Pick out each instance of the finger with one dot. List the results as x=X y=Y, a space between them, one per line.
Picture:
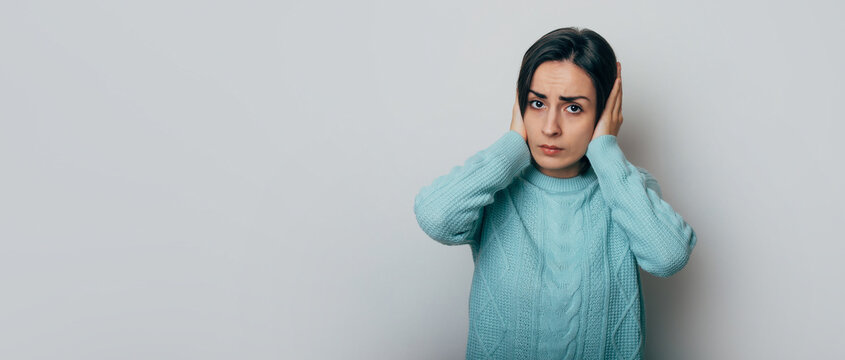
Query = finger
x=611 y=100
x=619 y=75
x=619 y=98
x=617 y=108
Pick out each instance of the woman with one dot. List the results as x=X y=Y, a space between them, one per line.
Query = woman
x=557 y=219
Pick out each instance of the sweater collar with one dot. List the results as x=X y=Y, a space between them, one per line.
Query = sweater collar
x=553 y=184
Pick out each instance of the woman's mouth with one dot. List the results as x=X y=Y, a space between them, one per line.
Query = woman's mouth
x=550 y=150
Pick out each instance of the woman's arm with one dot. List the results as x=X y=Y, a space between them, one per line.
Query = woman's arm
x=659 y=237
x=450 y=209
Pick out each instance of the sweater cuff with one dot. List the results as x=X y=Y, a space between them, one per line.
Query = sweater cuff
x=512 y=149
x=606 y=156
x=612 y=168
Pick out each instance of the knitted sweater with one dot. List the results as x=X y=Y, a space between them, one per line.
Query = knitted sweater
x=555 y=259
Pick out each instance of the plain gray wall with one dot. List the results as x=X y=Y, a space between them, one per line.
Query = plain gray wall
x=193 y=179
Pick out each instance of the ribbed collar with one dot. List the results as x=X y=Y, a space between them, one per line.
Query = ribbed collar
x=553 y=184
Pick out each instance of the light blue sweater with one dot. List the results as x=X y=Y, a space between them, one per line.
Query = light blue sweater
x=555 y=259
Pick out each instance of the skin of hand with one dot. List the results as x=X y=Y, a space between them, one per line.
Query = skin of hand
x=516 y=120
x=611 y=118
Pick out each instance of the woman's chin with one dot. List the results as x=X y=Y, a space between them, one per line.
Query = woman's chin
x=556 y=166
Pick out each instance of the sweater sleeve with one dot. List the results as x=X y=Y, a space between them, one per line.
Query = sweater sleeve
x=450 y=209
x=659 y=237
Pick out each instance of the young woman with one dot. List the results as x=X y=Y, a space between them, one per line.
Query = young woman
x=557 y=219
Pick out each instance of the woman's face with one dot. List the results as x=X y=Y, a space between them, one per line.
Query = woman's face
x=566 y=123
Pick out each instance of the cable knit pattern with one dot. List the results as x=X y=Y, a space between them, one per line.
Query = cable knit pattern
x=555 y=259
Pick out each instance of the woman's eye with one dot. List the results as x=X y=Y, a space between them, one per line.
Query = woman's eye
x=536 y=104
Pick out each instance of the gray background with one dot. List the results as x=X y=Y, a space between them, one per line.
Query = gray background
x=203 y=179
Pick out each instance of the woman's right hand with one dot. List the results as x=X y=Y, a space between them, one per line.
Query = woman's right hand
x=516 y=120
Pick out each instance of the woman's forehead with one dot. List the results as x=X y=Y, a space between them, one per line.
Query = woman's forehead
x=561 y=78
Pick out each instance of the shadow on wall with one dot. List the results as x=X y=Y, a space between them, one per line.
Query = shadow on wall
x=667 y=303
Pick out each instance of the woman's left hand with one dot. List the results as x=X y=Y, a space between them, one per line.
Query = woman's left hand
x=611 y=117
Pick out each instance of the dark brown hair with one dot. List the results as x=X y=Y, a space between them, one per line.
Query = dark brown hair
x=583 y=47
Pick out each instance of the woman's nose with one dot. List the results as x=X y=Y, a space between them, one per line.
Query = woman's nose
x=551 y=127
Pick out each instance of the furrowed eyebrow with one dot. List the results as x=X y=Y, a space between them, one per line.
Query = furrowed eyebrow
x=564 y=98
